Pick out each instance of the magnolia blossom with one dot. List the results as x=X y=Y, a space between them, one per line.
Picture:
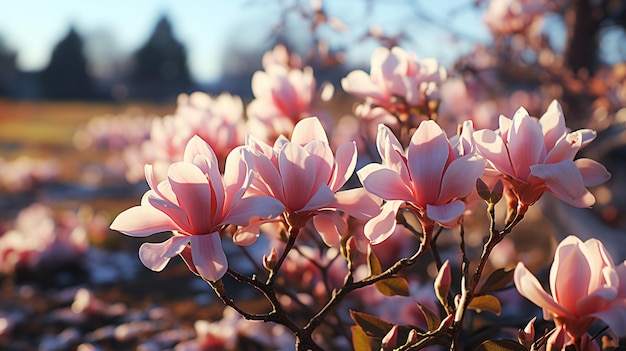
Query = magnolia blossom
x=534 y=156
x=394 y=75
x=283 y=96
x=196 y=203
x=306 y=177
x=427 y=179
x=586 y=285
x=217 y=120
x=504 y=17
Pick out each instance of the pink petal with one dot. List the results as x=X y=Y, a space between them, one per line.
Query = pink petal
x=237 y=177
x=359 y=84
x=593 y=173
x=248 y=234
x=427 y=156
x=492 y=148
x=598 y=300
x=460 y=178
x=345 y=163
x=171 y=210
x=529 y=287
x=552 y=124
x=563 y=179
x=266 y=176
x=330 y=227
x=308 y=130
x=447 y=215
x=297 y=170
x=391 y=152
x=197 y=146
x=261 y=84
x=570 y=273
x=156 y=255
x=358 y=203
x=525 y=143
x=379 y=228
x=504 y=124
x=322 y=198
x=565 y=149
x=142 y=221
x=208 y=256
x=255 y=206
x=195 y=196
x=388 y=185
x=324 y=160
x=614 y=317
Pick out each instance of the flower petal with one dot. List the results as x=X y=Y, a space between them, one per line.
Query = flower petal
x=142 y=221
x=427 y=157
x=529 y=287
x=593 y=172
x=525 y=143
x=208 y=256
x=322 y=198
x=307 y=130
x=297 y=170
x=330 y=227
x=345 y=163
x=563 y=179
x=460 y=178
x=379 y=228
x=388 y=185
x=570 y=273
x=491 y=146
x=447 y=215
x=156 y=255
x=552 y=124
x=360 y=84
x=260 y=206
x=358 y=203
x=195 y=196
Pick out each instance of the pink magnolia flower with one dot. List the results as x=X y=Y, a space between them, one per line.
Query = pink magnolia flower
x=282 y=97
x=504 y=17
x=427 y=179
x=394 y=75
x=216 y=120
x=306 y=177
x=196 y=203
x=534 y=156
x=586 y=285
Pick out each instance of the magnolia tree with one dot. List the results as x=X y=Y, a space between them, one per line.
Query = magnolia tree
x=333 y=230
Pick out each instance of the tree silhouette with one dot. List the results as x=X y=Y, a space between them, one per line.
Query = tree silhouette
x=160 y=65
x=66 y=76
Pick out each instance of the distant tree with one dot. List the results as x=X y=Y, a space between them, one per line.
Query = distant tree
x=160 y=65
x=8 y=70
x=66 y=76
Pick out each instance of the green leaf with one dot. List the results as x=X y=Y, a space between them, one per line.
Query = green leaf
x=497 y=280
x=360 y=340
x=500 y=345
x=372 y=326
x=372 y=262
x=432 y=319
x=393 y=286
x=488 y=303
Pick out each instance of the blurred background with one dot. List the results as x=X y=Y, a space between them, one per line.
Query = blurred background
x=81 y=84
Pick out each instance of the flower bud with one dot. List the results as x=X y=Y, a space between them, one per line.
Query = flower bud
x=483 y=190
x=269 y=262
x=442 y=283
x=390 y=340
x=527 y=335
x=496 y=192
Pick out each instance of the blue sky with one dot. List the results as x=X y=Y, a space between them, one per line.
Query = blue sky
x=33 y=27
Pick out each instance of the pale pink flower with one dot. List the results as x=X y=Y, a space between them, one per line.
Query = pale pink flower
x=279 y=55
x=196 y=203
x=396 y=77
x=534 y=156
x=282 y=97
x=217 y=120
x=505 y=17
x=306 y=177
x=586 y=285
x=427 y=179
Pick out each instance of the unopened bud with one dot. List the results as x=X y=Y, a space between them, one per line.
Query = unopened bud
x=442 y=283
x=446 y=323
x=269 y=262
x=390 y=340
x=527 y=336
x=413 y=337
x=483 y=190
x=496 y=192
